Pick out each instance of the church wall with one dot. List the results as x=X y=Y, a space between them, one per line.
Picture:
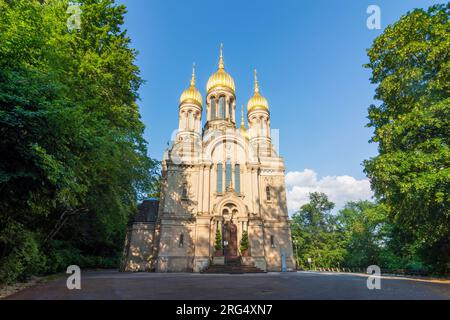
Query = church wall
x=275 y=216
x=139 y=247
x=179 y=177
x=172 y=197
x=190 y=204
x=256 y=243
x=277 y=239
x=174 y=254
x=202 y=244
x=208 y=188
x=276 y=207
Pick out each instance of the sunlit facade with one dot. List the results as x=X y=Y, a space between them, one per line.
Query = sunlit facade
x=217 y=176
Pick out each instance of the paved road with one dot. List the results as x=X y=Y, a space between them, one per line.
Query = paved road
x=294 y=285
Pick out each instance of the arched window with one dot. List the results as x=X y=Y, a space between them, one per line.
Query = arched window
x=272 y=241
x=184 y=192
x=268 y=193
x=230 y=110
x=237 y=178
x=261 y=122
x=213 y=108
x=190 y=121
x=228 y=174
x=222 y=107
x=219 y=178
x=181 y=240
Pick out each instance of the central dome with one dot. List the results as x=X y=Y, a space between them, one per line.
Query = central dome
x=221 y=78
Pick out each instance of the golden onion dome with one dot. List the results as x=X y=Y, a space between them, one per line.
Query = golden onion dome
x=221 y=78
x=257 y=101
x=191 y=94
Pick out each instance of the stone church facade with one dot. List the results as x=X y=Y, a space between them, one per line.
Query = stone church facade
x=215 y=177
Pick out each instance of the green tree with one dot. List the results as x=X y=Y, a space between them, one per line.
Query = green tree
x=218 y=241
x=73 y=159
x=244 y=241
x=410 y=65
x=366 y=229
x=315 y=230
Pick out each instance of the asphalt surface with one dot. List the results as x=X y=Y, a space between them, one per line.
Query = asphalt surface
x=187 y=286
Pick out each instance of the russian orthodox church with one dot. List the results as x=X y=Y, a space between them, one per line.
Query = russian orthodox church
x=220 y=184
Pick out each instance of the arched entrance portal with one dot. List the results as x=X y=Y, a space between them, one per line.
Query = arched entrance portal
x=230 y=238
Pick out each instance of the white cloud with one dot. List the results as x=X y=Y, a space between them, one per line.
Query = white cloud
x=339 y=189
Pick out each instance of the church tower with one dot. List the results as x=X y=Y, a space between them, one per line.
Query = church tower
x=218 y=182
x=220 y=98
x=258 y=116
x=190 y=110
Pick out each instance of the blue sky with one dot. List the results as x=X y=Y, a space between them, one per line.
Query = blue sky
x=309 y=56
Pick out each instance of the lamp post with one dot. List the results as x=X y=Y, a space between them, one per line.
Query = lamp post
x=296 y=253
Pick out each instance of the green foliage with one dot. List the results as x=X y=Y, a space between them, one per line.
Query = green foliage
x=314 y=229
x=218 y=241
x=73 y=159
x=372 y=239
x=23 y=257
x=364 y=226
x=62 y=256
x=411 y=175
x=244 y=241
x=359 y=235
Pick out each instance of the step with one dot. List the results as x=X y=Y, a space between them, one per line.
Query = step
x=237 y=268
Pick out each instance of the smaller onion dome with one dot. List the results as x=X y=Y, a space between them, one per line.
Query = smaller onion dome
x=257 y=101
x=191 y=94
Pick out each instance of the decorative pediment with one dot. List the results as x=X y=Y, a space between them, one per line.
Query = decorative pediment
x=231 y=205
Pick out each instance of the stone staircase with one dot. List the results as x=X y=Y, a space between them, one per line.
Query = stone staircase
x=232 y=266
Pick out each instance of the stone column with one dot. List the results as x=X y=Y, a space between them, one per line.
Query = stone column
x=200 y=194
x=227 y=103
x=256 y=243
x=233 y=180
x=234 y=111
x=202 y=240
x=258 y=192
x=252 y=189
x=255 y=190
x=206 y=188
x=197 y=123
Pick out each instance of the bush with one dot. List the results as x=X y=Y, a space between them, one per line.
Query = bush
x=218 y=243
x=244 y=241
x=23 y=258
x=60 y=257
